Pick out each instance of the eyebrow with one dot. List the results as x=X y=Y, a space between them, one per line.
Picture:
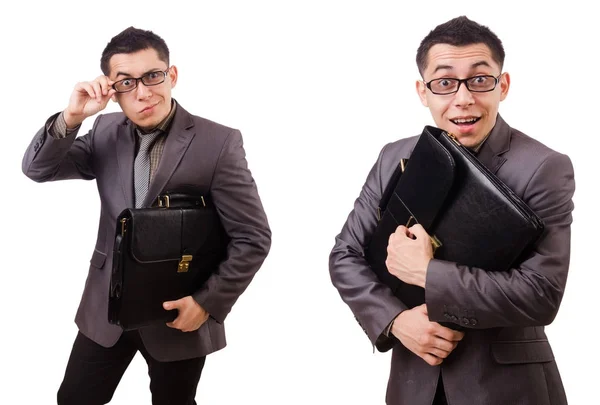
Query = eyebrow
x=129 y=75
x=473 y=66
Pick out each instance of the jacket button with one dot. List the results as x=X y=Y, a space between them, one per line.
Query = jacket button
x=454 y=318
x=36 y=147
x=473 y=321
x=465 y=321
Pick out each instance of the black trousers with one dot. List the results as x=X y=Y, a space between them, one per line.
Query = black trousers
x=93 y=373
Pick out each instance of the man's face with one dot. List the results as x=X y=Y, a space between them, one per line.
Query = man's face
x=470 y=116
x=146 y=106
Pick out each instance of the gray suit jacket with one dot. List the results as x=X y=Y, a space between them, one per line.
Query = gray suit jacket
x=505 y=357
x=198 y=154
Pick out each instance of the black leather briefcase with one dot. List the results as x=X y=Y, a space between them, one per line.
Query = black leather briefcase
x=162 y=254
x=473 y=218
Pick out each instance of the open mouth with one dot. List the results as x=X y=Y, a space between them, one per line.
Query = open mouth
x=465 y=121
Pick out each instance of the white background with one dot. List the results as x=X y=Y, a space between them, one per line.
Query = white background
x=317 y=89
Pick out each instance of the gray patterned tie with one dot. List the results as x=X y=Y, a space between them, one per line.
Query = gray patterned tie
x=141 y=167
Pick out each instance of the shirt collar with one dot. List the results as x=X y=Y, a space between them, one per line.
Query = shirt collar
x=477 y=148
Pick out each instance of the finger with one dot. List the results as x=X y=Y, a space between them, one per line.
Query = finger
x=85 y=87
x=97 y=90
x=408 y=233
x=177 y=323
x=402 y=230
x=103 y=82
x=443 y=345
x=168 y=305
x=418 y=231
x=187 y=325
x=457 y=336
x=391 y=240
x=448 y=334
x=440 y=354
x=109 y=84
x=431 y=360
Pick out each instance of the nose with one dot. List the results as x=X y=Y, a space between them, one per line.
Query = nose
x=143 y=92
x=463 y=97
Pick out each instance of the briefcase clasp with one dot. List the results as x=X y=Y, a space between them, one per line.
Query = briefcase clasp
x=435 y=243
x=164 y=201
x=123 y=226
x=184 y=263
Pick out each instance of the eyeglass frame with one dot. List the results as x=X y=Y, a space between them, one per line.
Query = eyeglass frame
x=465 y=81
x=141 y=78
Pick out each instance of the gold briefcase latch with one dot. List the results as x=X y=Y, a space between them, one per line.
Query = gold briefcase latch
x=435 y=243
x=164 y=201
x=184 y=264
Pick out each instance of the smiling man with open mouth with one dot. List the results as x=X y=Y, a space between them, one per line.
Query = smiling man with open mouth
x=463 y=86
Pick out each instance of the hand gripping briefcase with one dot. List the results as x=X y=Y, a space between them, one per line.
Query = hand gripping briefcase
x=162 y=254
x=473 y=218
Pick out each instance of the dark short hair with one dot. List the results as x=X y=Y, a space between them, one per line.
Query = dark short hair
x=133 y=40
x=460 y=31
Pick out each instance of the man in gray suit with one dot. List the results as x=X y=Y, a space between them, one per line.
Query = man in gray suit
x=158 y=146
x=503 y=357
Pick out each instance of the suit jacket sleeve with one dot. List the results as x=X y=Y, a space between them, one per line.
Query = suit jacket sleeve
x=529 y=294
x=236 y=198
x=371 y=301
x=48 y=158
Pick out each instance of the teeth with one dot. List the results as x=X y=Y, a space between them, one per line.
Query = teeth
x=465 y=120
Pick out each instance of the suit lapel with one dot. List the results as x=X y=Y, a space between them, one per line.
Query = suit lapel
x=178 y=140
x=497 y=144
x=125 y=145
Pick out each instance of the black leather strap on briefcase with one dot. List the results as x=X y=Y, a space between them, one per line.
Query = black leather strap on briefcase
x=161 y=254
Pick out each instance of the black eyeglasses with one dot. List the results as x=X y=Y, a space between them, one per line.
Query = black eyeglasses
x=476 y=84
x=149 y=79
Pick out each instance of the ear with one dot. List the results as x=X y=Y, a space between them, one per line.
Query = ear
x=504 y=85
x=173 y=75
x=422 y=92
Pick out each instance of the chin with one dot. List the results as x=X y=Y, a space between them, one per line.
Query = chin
x=145 y=125
x=150 y=121
x=469 y=141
